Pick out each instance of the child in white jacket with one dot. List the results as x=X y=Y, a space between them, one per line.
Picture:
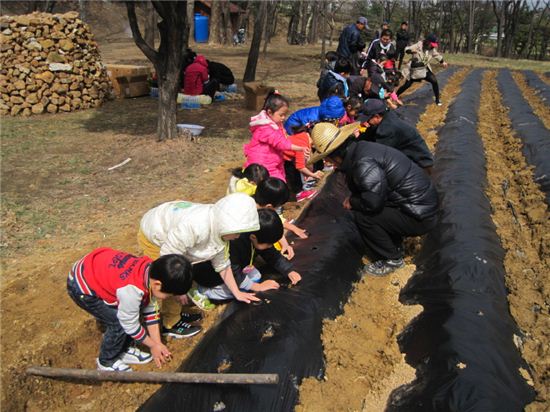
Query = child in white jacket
x=200 y=232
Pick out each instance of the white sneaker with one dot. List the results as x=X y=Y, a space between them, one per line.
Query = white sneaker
x=133 y=356
x=117 y=366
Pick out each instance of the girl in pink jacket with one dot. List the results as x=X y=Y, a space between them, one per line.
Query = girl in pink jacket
x=269 y=140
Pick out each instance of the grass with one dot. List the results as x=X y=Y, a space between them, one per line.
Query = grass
x=475 y=60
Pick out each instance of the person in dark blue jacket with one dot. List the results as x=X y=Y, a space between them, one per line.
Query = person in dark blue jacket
x=391 y=197
x=330 y=109
x=351 y=42
x=334 y=83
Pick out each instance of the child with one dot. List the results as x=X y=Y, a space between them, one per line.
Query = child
x=117 y=288
x=273 y=193
x=330 y=110
x=269 y=140
x=246 y=180
x=296 y=170
x=352 y=105
x=242 y=253
x=200 y=233
x=335 y=81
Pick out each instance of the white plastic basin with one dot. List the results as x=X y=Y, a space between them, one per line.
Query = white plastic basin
x=195 y=129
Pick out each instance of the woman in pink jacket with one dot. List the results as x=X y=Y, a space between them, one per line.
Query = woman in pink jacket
x=269 y=140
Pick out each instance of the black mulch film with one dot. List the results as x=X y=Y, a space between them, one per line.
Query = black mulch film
x=530 y=129
x=282 y=335
x=462 y=344
x=415 y=103
x=541 y=88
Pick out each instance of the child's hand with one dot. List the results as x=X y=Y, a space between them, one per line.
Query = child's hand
x=161 y=354
x=445 y=64
x=307 y=152
x=287 y=252
x=268 y=285
x=294 y=277
x=318 y=174
x=183 y=299
x=246 y=297
x=301 y=233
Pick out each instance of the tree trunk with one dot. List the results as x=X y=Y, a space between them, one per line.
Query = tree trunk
x=191 y=18
x=215 y=22
x=532 y=42
x=323 y=23
x=294 y=23
x=254 y=52
x=150 y=24
x=471 y=11
x=168 y=59
x=227 y=30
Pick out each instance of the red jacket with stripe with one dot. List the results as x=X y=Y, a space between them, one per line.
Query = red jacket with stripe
x=122 y=280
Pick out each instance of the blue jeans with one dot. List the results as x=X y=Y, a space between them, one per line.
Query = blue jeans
x=115 y=340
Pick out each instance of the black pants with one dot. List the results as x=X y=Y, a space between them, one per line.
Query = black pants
x=211 y=87
x=293 y=177
x=400 y=56
x=384 y=232
x=430 y=77
x=115 y=340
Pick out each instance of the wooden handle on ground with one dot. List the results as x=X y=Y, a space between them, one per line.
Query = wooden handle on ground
x=156 y=377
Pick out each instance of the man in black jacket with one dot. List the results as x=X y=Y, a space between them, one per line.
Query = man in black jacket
x=402 y=41
x=391 y=197
x=350 y=42
x=377 y=48
x=385 y=127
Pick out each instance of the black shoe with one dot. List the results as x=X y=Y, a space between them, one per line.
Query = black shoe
x=382 y=267
x=181 y=330
x=190 y=317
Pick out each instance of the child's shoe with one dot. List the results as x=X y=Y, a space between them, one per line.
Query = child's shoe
x=383 y=267
x=116 y=366
x=133 y=356
x=181 y=329
x=190 y=317
x=306 y=194
x=200 y=300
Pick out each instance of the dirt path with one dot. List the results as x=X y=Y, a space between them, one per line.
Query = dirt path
x=520 y=215
x=541 y=109
x=434 y=116
x=363 y=361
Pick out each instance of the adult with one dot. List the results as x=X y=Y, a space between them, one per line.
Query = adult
x=350 y=42
x=365 y=88
x=197 y=80
x=330 y=110
x=384 y=26
x=391 y=197
x=402 y=40
x=220 y=72
x=385 y=127
x=334 y=83
x=378 y=48
x=419 y=68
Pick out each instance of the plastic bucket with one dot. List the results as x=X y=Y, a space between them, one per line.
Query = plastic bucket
x=201 y=28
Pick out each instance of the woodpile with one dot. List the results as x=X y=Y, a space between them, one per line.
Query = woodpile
x=50 y=63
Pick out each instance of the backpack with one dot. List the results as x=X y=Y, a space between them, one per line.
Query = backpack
x=418 y=70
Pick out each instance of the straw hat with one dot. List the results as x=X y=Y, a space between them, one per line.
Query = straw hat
x=328 y=137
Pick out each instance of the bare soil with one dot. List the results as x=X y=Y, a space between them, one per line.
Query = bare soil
x=520 y=215
x=540 y=108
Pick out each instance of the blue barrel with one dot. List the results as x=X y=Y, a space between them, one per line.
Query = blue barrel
x=201 y=28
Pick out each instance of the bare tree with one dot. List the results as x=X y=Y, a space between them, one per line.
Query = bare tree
x=167 y=60
x=150 y=24
x=227 y=29
x=190 y=17
x=254 y=52
x=215 y=22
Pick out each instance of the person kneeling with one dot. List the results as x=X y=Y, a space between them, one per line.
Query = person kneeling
x=242 y=252
x=116 y=288
x=391 y=196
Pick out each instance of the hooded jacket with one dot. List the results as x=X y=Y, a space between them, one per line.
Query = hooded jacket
x=195 y=230
x=350 y=41
x=196 y=74
x=380 y=176
x=394 y=132
x=267 y=145
x=333 y=84
x=331 y=108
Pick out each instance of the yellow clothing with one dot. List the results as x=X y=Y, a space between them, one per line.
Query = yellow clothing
x=243 y=185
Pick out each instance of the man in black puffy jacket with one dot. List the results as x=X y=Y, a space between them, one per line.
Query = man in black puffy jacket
x=391 y=197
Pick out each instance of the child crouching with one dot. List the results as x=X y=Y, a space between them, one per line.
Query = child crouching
x=116 y=288
x=242 y=252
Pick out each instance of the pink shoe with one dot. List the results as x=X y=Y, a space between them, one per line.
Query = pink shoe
x=306 y=194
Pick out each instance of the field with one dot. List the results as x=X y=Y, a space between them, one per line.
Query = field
x=60 y=201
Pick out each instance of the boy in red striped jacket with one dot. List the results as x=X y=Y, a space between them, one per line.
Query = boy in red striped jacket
x=117 y=288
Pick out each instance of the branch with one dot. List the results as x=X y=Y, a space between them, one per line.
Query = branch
x=147 y=50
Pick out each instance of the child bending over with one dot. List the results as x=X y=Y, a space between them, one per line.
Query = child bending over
x=353 y=106
x=297 y=171
x=117 y=288
x=246 y=180
x=242 y=252
x=269 y=140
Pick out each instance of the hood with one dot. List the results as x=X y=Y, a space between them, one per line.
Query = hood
x=200 y=59
x=331 y=108
x=262 y=119
x=235 y=213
